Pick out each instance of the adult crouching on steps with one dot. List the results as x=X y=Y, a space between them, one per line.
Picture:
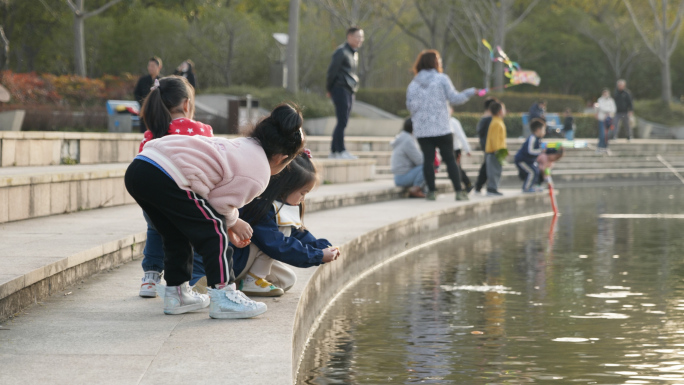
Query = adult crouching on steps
x=426 y=99
x=342 y=82
x=407 y=162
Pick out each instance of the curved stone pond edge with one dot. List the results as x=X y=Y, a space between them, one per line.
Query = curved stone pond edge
x=389 y=243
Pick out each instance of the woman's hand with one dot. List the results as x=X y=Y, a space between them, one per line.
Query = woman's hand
x=240 y=234
x=330 y=254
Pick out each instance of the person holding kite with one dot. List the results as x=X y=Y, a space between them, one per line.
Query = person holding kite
x=427 y=97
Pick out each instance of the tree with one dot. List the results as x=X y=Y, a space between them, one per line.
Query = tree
x=610 y=27
x=79 y=34
x=292 y=47
x=469 y=30
x=661 y=38
x=6 y=49
x=368 y=16
x=500 y=12
x=433 y=15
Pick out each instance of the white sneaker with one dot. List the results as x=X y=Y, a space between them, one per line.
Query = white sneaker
x=258 y=287
x=347 y=155
x=334 y=155
x=148 y=288
x=181 y=299
x=229 y=302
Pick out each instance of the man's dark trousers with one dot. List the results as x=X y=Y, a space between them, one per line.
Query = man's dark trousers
x=343 y=100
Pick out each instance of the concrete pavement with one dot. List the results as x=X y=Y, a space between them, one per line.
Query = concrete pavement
x=101 y=332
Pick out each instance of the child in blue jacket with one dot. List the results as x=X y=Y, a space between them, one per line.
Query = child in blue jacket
x=527 y=158
x=279 y=237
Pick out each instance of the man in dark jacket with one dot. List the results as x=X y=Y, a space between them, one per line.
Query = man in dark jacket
x=341 y=83
x=142 y=88
x=538 y=110
x=623 y=102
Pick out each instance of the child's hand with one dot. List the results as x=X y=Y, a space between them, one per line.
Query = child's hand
x=240 y=234
x=330 y=254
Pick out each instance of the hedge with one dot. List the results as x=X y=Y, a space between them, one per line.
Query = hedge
x=660 y=112
x=394 y=100
x=586 y=124
x=313 y=105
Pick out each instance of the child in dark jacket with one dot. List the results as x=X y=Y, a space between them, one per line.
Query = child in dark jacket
x=279 y=237
x=532 y=160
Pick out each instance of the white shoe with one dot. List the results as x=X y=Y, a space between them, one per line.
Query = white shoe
x=334 y=155
x=258 y=287
x=148 y=288
x=229 y=302
x=181 y=299
x=347 y=155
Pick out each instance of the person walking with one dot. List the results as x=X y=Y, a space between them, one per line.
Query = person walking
x=605 y=110
x=625 y=109
x=186 y=69
x=341 y=83
x=145 y=83
x=427 y=99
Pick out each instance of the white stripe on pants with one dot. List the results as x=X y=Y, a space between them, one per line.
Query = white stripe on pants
x=532 y=175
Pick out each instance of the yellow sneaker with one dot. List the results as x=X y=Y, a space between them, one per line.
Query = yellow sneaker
x=259 y=287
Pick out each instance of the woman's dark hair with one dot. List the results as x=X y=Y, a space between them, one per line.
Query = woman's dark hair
x=428 y=59
x=299 y=173
x=281 y=132
x=164 y=100
x=495 y=108
x=408 y=125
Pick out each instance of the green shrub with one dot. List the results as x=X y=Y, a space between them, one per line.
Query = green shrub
x=313 y=105
x=394 y=100
x=586 y=124
x=658 y=111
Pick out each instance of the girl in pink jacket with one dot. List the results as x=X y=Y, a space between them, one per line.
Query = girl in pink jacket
x=192 y=188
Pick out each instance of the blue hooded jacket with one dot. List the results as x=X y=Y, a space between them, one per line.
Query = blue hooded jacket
x=300 y=249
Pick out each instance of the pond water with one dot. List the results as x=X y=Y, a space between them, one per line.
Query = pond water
x=598 y=300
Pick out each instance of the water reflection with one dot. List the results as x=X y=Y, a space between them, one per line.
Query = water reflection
x=595 y=301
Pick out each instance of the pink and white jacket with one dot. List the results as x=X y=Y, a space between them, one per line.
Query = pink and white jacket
x=229 y=173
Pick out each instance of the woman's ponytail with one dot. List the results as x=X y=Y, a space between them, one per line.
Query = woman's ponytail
x=166 y=96
x=281 y=132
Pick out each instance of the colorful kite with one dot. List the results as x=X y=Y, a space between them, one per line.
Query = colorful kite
x=512 y=71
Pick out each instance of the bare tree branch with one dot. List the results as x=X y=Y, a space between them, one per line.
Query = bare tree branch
x=522 y=16
x=637 y=24
x=73 y=7
x=101 y=9
x=404 y=28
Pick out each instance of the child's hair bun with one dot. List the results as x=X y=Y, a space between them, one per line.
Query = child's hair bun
x=281 y=132
x=288 y=119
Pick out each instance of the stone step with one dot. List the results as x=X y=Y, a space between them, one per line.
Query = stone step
x=25 y=148
x=510 y=175
x=591 y=160
x=31 y=192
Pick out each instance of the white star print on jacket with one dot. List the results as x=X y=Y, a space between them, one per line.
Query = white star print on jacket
x=181 y=126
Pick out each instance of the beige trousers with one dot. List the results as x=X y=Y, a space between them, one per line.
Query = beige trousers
x=261 y=265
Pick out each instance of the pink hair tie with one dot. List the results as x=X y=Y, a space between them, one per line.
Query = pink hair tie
x=155 y=86
x=307 y=152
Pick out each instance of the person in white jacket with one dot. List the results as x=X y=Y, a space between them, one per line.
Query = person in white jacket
x=605 y=108
x=461 y=147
